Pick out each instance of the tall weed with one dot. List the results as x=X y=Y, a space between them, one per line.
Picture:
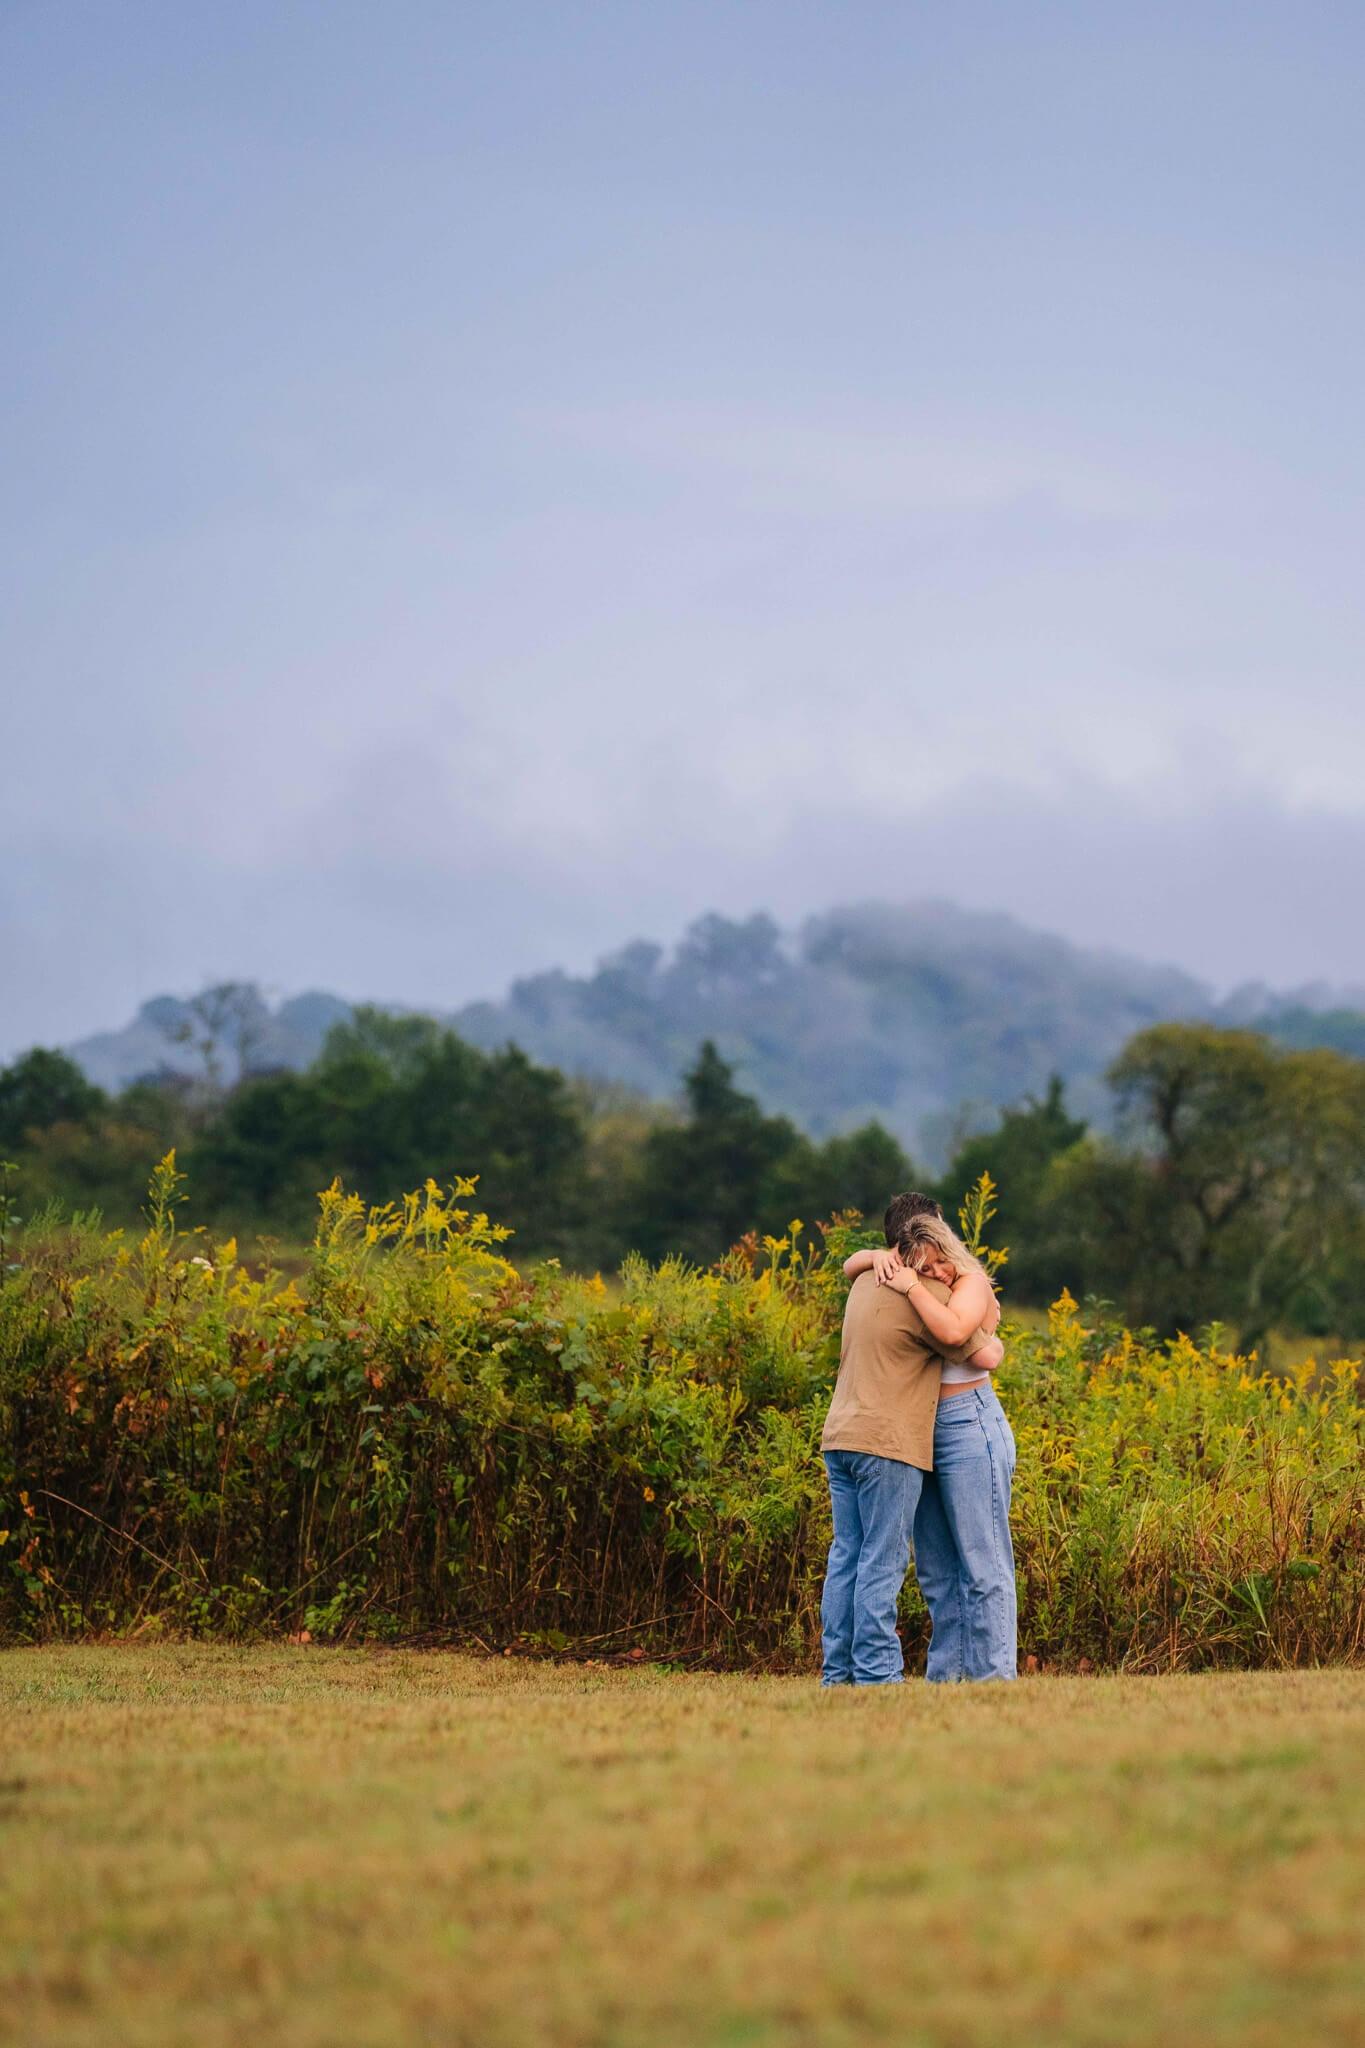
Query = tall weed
x=412 y=1437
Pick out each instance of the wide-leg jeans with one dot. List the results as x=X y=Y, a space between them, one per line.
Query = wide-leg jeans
x=963 y=1556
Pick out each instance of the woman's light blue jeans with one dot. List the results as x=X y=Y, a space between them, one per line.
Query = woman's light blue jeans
x=963 y=1556
x=874 y=1505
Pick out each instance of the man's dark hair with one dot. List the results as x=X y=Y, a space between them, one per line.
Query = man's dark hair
x=903 y=1210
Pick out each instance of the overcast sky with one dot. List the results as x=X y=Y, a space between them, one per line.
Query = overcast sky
x=482 y=482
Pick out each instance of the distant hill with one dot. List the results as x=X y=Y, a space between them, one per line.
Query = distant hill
x=167 y=1036
x=923 y=1015
x=926 y=1016
x=1331 y=1030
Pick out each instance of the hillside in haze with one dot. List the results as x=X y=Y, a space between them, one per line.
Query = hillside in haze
x=235 y=1030
x=915 y=1014
x=923 y=1015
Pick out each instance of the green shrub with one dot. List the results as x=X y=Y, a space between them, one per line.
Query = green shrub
x=412 y=1437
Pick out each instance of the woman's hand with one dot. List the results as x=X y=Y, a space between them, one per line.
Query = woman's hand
x=886 y=1263
x=904 y=1278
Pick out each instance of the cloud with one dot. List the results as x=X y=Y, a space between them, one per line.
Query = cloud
x=882 y=462
x=446 y=544
x=399 y=892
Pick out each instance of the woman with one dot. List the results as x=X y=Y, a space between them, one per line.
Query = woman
x=963 y=1556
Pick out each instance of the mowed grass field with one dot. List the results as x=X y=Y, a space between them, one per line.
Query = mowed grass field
x=216 y=1845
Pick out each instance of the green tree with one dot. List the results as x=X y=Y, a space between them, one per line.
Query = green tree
x=266 y=1153
x=1234 y=1191
x=1019 y=1156
x=705 y=1182
x=392 y=1102
x=859 y=1169
x=41 y=1088
x=398 y=1044
x=403 y=1096
x=526 y=1142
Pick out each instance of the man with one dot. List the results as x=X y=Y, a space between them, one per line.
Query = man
x=878 y=1443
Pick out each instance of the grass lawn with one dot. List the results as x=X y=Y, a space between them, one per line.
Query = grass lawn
x=305 y=1846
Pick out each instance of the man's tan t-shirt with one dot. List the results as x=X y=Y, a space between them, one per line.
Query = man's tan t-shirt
x=887 y=1391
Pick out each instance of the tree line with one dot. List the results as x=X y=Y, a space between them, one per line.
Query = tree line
x=1230 y=1186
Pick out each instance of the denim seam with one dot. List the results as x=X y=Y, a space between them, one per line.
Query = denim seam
x=962 y=1622
x=996 y=1506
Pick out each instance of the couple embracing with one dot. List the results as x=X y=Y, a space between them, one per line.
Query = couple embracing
x=917 y=1446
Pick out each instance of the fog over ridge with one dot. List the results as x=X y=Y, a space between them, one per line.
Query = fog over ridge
x=924 y=1016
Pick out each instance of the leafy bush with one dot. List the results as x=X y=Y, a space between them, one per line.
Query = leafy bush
x=413 y=1437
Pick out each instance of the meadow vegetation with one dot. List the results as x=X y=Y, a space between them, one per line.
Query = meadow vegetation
x=302 y=1847
x=413 y=1436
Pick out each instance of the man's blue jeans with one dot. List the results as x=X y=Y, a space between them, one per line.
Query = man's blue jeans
x=963 y=1557
x=874 y=1503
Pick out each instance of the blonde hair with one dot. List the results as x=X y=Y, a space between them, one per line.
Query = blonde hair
x=929 y=1237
